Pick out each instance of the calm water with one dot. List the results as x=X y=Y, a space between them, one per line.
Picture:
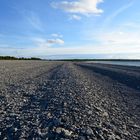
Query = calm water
x=126 y=63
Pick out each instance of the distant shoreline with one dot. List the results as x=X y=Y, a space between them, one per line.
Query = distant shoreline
x=96 y=60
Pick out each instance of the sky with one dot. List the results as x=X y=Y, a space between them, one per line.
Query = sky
x=70 y=28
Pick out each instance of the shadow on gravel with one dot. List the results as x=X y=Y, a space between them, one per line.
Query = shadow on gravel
x=132 y=81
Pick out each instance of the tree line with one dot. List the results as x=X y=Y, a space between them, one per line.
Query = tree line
x=20 y=58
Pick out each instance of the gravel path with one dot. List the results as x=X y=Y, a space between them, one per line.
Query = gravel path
x=67 y=101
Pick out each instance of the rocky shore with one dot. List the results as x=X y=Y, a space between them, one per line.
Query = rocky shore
x=68 y=101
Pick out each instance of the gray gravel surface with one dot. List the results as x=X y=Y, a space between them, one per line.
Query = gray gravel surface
x=68 y=101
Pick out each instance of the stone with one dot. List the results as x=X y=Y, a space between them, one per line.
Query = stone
x=87 y=131
x=105 y=114
x=89 y=112
x=66 y=132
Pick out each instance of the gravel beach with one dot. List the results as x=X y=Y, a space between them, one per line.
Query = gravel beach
x=41 y=100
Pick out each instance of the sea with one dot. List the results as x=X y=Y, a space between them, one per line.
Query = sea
x=124 y=63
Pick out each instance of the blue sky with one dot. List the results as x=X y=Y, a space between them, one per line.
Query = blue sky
x=91 y=28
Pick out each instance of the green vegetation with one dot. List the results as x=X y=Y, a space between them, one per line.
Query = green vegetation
x=15 y=58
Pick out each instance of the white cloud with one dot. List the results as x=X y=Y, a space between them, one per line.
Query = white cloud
x=55 y=41
x=42 y=42
x=84 y=7
x=76 y=17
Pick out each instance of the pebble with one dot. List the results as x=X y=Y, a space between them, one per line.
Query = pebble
x=105 y=114
x=89 y=112
x=87 y=131
x=65 y=131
